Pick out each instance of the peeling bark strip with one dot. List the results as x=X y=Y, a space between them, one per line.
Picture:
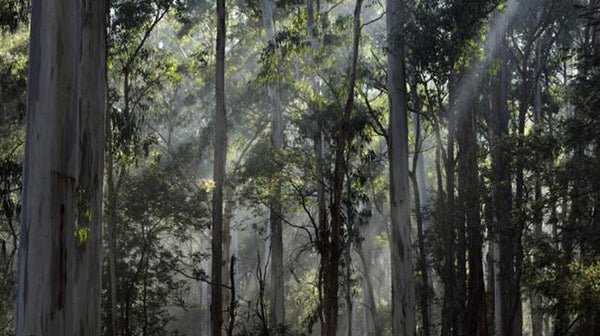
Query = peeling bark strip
x=59 y=283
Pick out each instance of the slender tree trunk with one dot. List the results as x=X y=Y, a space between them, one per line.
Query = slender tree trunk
x=220 y=159
x=323 y=230
x=537 y=316
x=476 y=316
x=351 y=232
x=372 y=326
x=226 y=251
x=335 y=249
x=205 y=289
x=348 y=279
x=422 y=261
x=423 y=204
x=447 y=243
x=504 y=298
x=561 y=317
x=111 y=226
x=403 y=297
x=418 y=181
x=60 y=256
x=277 y=293
x=318 y=139
x=449 y=276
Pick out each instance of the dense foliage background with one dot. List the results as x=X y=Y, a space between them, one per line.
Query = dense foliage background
x=504 y=102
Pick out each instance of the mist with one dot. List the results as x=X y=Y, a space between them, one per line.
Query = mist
x=260 y=167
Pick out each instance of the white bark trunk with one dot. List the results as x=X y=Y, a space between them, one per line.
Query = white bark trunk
x=61 y=230
x=372 y=327
x=403 y=288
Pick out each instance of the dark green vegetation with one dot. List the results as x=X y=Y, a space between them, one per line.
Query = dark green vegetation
x=258 y=130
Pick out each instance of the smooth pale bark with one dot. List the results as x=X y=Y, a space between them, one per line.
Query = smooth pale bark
x=220 y=158
x=59 y=275
x=403 y=288
x=372 y=325
x=332 y=267
x=277 y=293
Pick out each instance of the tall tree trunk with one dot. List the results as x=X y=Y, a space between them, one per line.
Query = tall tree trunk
x=372 y=325
x=422 y=261
x=111 y=226
x=461 y=112
x=562 y=320
x=348 y=279
x=318 y=139
x=60 y=258
x=220 y=159
x=537 y=315
x=205 y=291
x=504 y=297
x=335 y=249
x=421 y=199
x=350 y=234
x=476 y=316
x=449 y=276
x=226 y=250
x=277 y=293
x=323 y=230
x=444 y=204
x=403 y=297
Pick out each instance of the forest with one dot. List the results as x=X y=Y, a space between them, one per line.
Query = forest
x=300 y=167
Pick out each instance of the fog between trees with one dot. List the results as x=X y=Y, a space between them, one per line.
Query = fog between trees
x=261 y=167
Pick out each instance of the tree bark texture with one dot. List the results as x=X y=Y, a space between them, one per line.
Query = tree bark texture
x=476 y=318
x=60 y=261
x=403 y=288
x=220 y=159
x=504 y=296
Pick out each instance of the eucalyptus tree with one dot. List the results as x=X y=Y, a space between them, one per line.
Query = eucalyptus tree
x=60 y=258
x=277 y=297
x=220 y=158
x=132 y=77
x=332 y=268
x=403 y=297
